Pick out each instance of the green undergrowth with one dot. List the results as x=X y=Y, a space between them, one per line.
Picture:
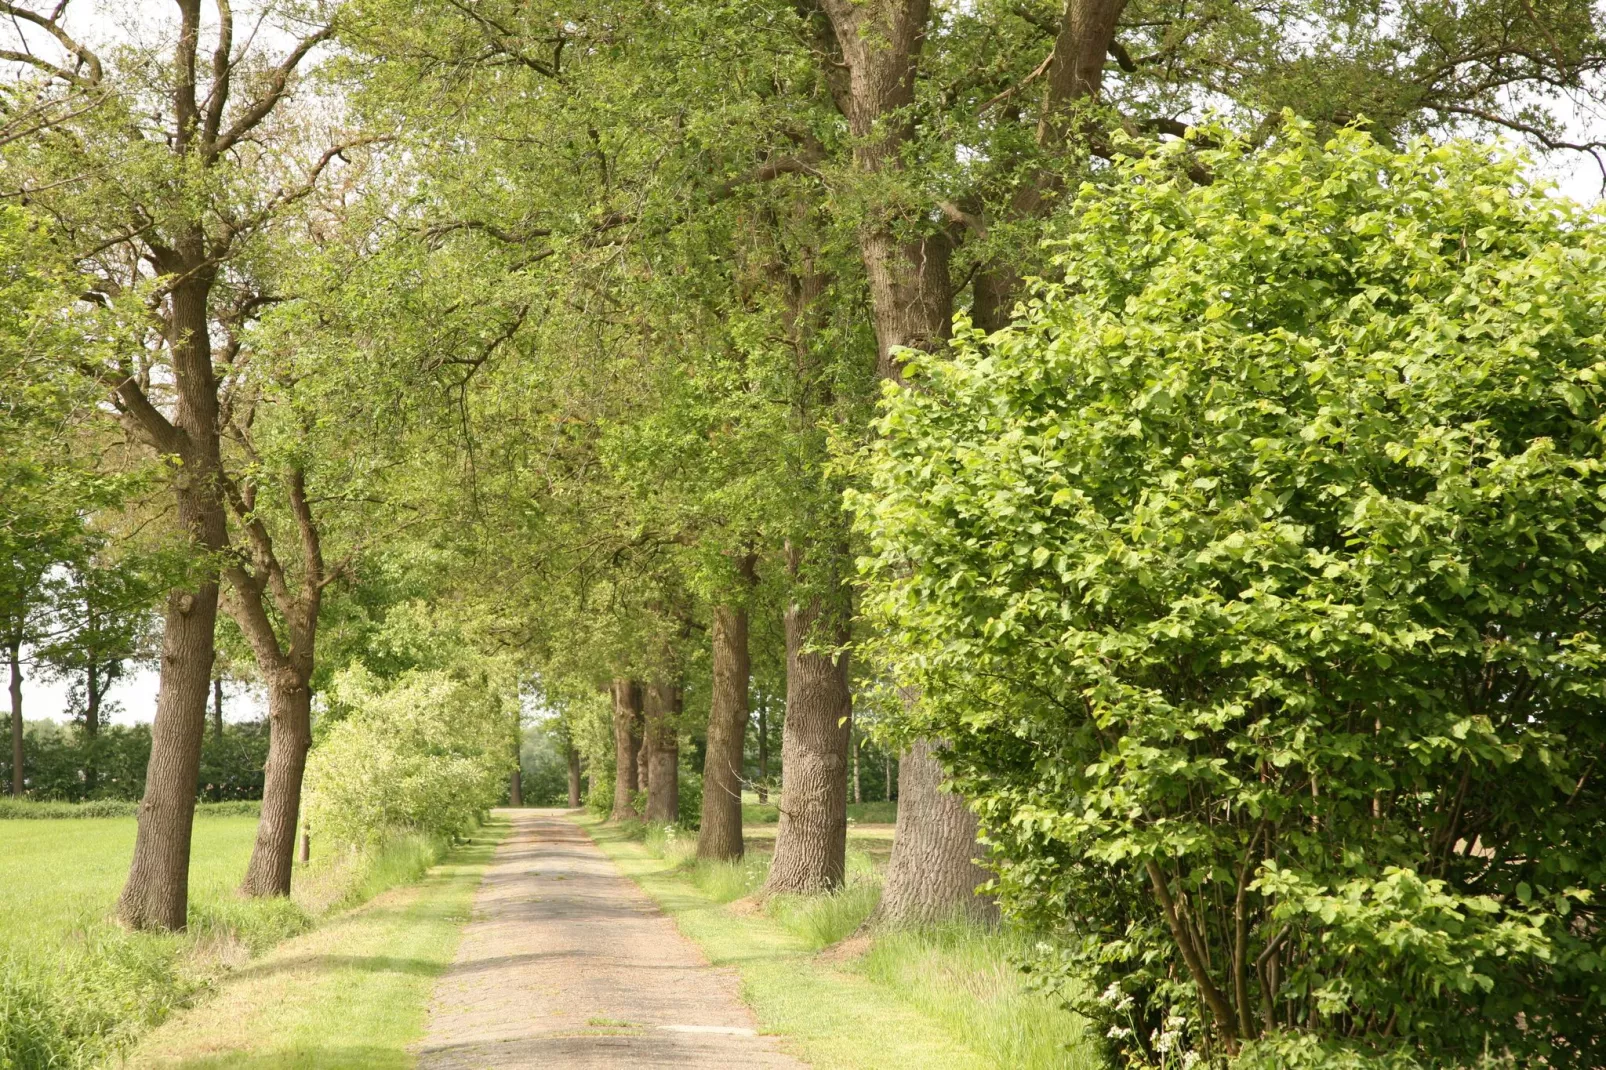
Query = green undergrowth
x=12 y=809
x=949 y=996
x=75 y=987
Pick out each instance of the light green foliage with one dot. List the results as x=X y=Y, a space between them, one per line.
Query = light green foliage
x=1253 y=574
x=428 y=752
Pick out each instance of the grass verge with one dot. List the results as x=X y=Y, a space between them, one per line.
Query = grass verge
x=75 y=988
x=946 y=998
x=352 y=993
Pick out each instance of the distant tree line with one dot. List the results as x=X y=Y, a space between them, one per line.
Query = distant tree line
x=63 y=763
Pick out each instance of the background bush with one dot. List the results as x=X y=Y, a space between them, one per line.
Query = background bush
x=1255 y=575
x=55 y=757
x=429 y=752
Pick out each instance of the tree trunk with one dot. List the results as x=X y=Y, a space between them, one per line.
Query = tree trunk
x=763 y=750
x=306 y=845
x=157 y=892
x=720 y=836
x=290 y=736
x=643 y=758
x=811 y=838
x=93 y=691
x=662 y=744
x=574 y=777
x=626 y=716
x=217 y=707
x=886 y=773
x=515 y=782
x=14 y=652
x=858 y=789
x=933 y=874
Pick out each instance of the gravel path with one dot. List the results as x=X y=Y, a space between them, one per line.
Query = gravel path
x=566 y=963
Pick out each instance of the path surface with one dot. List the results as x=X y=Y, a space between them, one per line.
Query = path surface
x=566 y=963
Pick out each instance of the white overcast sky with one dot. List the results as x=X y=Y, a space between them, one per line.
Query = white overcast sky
x=103 y=21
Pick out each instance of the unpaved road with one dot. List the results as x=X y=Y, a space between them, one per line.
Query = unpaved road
x=566 y=963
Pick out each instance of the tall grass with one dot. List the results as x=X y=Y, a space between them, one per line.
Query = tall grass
x=966 y=977
x=75 y=988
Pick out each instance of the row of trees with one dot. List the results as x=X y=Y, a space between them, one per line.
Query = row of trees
x=451 y=333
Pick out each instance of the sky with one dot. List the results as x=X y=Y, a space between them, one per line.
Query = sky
x=1576 y=175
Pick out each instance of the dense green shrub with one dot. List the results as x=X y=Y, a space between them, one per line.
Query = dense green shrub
x=428 y=752
x=56 y=756
x=1255 y=575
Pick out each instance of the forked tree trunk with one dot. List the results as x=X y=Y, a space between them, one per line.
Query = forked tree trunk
x=933 y=874
x=720 y=836
x=14 y=653
x=626 y=716
x=289 y=738
x=811 y=838
x=662 y=743
x=574 y=777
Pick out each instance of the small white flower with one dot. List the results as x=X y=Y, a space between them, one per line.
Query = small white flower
x=1190 y=1060
x=1118 y=1031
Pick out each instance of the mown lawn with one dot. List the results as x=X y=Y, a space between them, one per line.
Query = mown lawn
x=60 y=878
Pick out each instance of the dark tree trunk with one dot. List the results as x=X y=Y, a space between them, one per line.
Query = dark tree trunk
x=763 y=750
x=626 y=717
x=157 y=893
x=574 y=777
x=217 y=707
x=811 y=838
x=94 y=689
x=662 y=745
x=290 y=736
x=14 y=653
x=515 y=782
x=720 y=836
x=643 y=757
x=933 y=874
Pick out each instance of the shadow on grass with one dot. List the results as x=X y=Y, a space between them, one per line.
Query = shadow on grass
x=333 y=1056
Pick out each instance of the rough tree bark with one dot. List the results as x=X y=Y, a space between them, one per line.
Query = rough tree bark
x=574 y=777
x=643 y=757
x=720 y=836
x=14 y=654
x=286 y=665
x=911 y=296
x=157 y=893
x=662 y=743
x=626 y=717
x=933 y=873
x=811 y=838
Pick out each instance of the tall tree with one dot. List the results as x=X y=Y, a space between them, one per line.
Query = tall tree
x=217 y=165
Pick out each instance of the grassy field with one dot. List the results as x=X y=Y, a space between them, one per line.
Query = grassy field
x=948 y=998
x=76 y=988
x=352 y=993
